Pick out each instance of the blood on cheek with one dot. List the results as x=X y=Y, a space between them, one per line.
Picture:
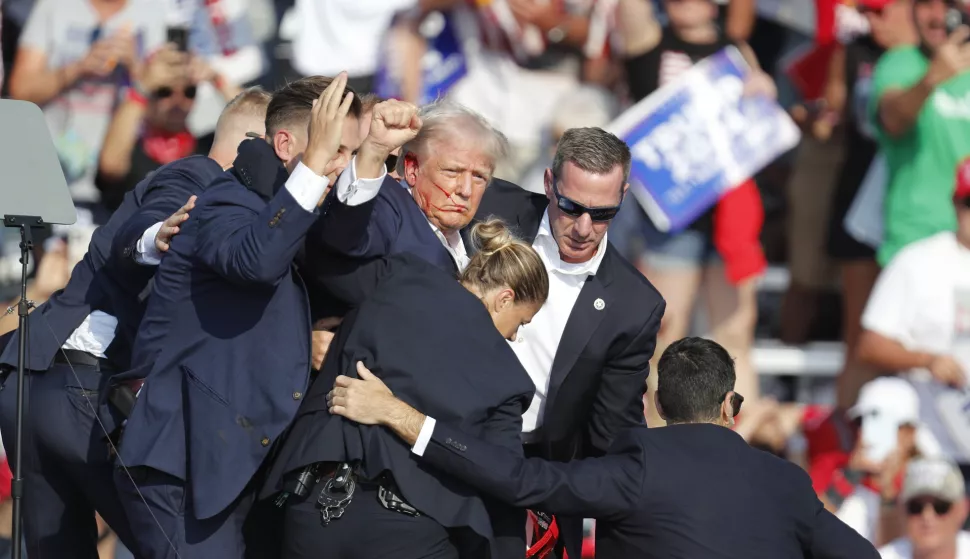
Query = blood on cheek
x=447 y=194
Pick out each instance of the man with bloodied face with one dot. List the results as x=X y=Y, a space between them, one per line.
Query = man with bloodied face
x=446 y=164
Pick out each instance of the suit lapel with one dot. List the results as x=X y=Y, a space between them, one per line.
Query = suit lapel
x=591 y=308
x=584 y=319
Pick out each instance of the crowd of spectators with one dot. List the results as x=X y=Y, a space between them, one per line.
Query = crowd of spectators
x=872 y=206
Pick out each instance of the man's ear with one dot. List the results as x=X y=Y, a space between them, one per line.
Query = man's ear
x=411 y=168
x=547 y=179
x=727 y=409
x=282 y=142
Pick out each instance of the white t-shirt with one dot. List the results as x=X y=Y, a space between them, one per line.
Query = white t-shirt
x=903 y=548
x=860 y=511
x=922 y=300
x=78 y=117
x=342 y=35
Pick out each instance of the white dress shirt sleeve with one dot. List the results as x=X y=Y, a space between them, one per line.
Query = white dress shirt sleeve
x=306 y=187
x=353 y=191
x=146 y=253
x=424 y=436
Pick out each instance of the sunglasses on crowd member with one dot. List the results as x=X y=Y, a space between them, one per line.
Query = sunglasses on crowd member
x=917 y=506
x=575 y=209
x=963 y=202
x=165 y=92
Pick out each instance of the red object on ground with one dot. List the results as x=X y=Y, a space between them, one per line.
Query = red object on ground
x=738 y=218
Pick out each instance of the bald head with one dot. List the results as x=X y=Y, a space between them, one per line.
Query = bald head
x=245 y=114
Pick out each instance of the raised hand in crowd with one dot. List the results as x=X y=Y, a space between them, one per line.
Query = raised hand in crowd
x=946 y=370
x=170 y=227
x=327 y=119
x=951 y=58
x=166 y=66
x=107 y=53
x=393 y=124
x=200 y=71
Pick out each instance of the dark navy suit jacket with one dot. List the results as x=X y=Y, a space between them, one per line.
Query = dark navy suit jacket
x=225 y=343
x=435 y=345
x=391 y=223
x=107 y=282
x=676 y=492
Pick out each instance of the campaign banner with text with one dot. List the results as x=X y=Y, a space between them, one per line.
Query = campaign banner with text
x=696 y=138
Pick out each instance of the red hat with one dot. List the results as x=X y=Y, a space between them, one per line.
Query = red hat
x=962 y=189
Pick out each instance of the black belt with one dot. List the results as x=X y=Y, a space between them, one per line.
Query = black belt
x=78 y=357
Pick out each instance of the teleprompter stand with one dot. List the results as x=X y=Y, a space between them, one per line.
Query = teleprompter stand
x=33 y=193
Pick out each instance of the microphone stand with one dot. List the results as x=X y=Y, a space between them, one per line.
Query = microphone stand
x=25 y=224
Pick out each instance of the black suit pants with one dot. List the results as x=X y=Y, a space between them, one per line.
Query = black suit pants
x=365 y=531
x=68 y=474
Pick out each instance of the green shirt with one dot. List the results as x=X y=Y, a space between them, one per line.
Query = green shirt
x=923 y=162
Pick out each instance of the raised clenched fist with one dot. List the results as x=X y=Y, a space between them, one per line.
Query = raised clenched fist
x=393 y=124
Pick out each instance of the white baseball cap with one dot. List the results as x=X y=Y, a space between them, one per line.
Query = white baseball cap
x=885 y=404
x=888 y=397
x=933 y=477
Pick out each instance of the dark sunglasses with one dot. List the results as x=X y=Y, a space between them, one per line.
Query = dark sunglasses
x=575 y=209
x=964 y=202
x=165 y=92
x=917 y=506
x=390 y=163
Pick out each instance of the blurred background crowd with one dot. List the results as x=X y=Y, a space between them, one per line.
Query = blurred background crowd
x=839 y=278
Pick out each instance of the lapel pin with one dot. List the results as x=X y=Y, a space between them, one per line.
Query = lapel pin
x=599 y=304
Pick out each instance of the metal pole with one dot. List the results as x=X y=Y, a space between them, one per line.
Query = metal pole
x=17 y=484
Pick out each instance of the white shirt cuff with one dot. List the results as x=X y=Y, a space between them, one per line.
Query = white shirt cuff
x=353 y=191
x=424 y=437
x=146 y=253
x=306 y=187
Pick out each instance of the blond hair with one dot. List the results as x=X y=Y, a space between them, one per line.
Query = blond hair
x=505 y=261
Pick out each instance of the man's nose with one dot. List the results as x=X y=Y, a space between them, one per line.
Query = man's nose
x=584 y=225
x=464 y=186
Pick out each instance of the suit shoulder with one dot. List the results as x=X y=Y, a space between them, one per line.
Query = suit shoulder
x=786 y=473
x=503 y=198
x=632 y=280
x=198 y=168
x=191 y=173
x=227 y=190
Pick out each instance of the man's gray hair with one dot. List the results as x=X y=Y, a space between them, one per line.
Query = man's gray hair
x=593 y=150
x=444 y=118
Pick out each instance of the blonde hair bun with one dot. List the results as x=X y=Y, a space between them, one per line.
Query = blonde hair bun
x=491 y=236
